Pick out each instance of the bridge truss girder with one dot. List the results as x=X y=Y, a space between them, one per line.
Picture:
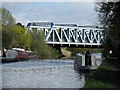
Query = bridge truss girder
x=72 y=35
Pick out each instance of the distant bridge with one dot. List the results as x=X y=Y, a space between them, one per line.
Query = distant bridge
x=71 y=36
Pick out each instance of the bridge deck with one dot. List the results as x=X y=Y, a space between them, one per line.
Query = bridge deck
x=79 y=45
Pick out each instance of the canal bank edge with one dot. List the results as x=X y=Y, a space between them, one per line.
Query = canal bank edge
x=106 y=76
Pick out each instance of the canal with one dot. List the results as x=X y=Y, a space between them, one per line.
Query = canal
x=47 y=73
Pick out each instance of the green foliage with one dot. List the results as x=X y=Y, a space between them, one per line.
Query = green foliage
x=20 y=37
x=6 y=17
x=83 y=50
x=0 y=39
x=15 y=35
x=7 y=35
x=109 y=16
x=40 y=47
x=6 y=22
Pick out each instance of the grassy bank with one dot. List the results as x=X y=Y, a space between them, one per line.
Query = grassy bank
x=106 y=76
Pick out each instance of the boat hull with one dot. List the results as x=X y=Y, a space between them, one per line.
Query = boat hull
x=9 y=60
x=83 y=63
x=88 y=68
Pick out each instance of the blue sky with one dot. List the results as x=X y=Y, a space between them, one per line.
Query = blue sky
x=81 y=13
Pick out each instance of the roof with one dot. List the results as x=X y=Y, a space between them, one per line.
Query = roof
x=40 y=24
x=70 y=25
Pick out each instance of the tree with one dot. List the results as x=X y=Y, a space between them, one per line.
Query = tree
x=6 y=22
x=7 y=35
x=40 y=47
x=13 y=34
x=19 y=37
x=6 y=17
x=109 y=16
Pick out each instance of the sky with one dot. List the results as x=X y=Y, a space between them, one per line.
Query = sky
x=80 y=13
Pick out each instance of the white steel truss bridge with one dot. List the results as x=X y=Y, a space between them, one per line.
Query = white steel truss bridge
x=71 y=36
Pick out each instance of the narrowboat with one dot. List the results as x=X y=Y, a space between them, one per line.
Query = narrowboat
x=83 y=63
x=16 y=54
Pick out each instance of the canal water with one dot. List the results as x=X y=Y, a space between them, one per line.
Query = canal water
x=41 y=74
x=56 y=73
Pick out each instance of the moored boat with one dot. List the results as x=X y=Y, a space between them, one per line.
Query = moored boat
x=83 y=63
x=16 y=54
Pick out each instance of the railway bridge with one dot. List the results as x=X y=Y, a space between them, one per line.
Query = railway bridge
x=69 y=35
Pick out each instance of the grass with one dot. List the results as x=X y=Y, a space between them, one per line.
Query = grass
x=106 y=76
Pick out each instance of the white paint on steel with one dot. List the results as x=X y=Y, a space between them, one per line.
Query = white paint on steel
x=71 y=35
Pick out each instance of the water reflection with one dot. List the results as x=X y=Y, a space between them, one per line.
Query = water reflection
x=42 y=74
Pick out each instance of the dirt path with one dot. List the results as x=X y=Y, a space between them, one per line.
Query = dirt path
x=66 y=53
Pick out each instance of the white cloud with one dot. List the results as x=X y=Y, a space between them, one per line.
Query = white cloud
x=21 y=19
x=80 y=13
x=48 y=0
